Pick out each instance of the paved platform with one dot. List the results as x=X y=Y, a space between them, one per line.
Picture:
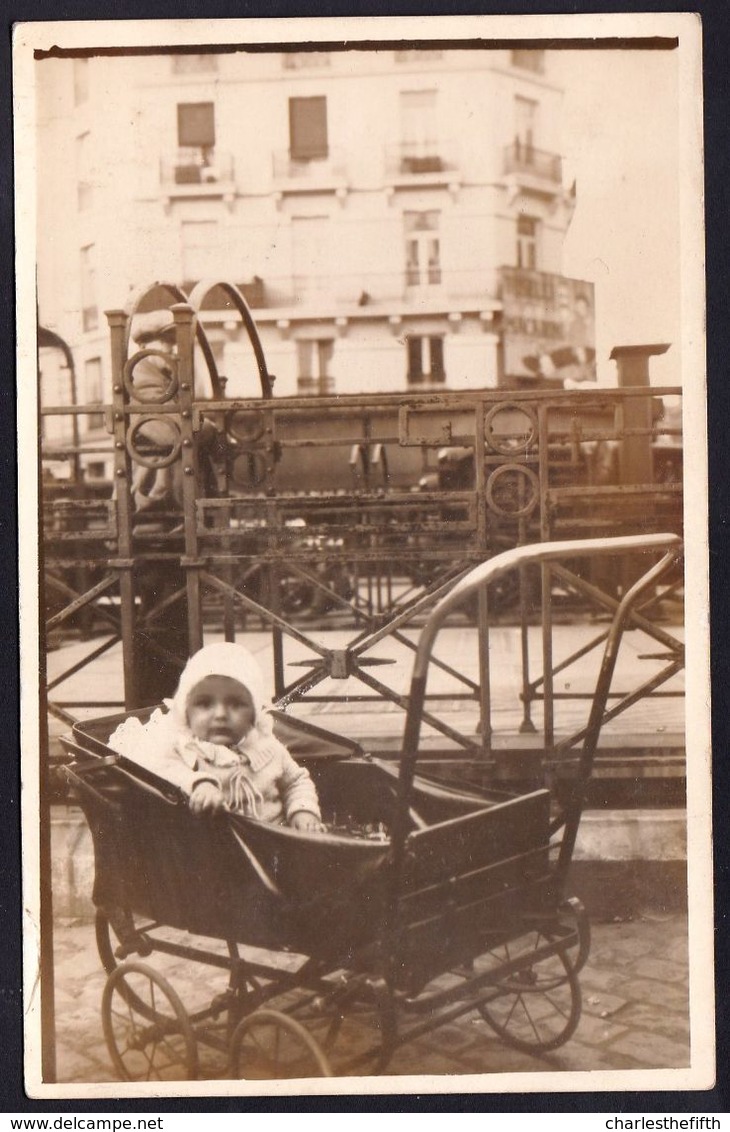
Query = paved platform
x=634 y=992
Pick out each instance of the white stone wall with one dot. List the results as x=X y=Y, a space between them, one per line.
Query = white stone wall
x=138 y=225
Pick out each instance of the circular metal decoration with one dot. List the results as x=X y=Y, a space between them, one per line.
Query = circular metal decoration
x=249 y=469
x=247 y=425
x=513 y=490
x=154 y=454
x=146 y=389
x=510 y=428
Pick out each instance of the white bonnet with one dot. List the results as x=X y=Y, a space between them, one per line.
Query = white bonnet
x=222 y=659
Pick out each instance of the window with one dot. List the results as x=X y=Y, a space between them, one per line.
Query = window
x=419 y=147
x=423 y=249
x=194 y=64
x=89 y=309
x=314 y=359
x=83 y=178
x=196 y=125
x=528 y=60
x=425 y=359
x=201 y=253
x=196 y=141
x=305 y=60
x=81 y=81
x=308 y=129
x=525 y=127
x=527 y=235
x=311 y=262
x=92 y=391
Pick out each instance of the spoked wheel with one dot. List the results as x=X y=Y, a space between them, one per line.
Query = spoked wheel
x=270 y=1046
x=147 y=1030
x=537 y=1004
x=573 y=921
x=108 y=942
x=358 y=1034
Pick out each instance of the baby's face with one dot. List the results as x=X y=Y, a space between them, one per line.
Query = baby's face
x=220 y=710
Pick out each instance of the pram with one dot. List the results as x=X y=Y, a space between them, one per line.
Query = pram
x=421 y=903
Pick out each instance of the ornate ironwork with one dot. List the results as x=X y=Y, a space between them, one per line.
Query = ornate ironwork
x=353 y=513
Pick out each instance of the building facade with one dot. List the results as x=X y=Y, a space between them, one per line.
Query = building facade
x=394 y=217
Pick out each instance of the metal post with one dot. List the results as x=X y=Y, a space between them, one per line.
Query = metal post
x=47 y=958
x=123 y=504
x=546 y=581
x=480 y=483
x=635 y=453
x=188 y=425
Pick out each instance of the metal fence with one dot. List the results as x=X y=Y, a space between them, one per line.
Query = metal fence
x=343 y=513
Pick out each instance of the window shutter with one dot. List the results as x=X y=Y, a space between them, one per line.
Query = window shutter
x=308 y=128
x=437 y=358
x=415 y=362
x=195 y=124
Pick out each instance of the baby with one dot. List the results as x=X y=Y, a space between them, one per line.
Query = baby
x=220 y=748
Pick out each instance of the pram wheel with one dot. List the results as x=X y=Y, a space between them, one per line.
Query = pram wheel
x=574 y=916
x=537 y=1004
x=270 y=1046
x=147 y=1030
x=358 y=1032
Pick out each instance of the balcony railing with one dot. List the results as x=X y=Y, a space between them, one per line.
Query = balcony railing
x=524 y=160
x=316 y=386
x=423 y=275
x=254 y=292
x=196 y=166
x=421 y=159
x=319 y=168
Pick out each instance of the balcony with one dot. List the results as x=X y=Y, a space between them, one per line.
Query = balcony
x=318 y=173
x=532 y=169
x=254 y=292
x=422 y=163
x=322 y=386
x=197 y=172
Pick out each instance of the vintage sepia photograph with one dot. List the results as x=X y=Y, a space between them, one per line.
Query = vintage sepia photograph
x=363 y=409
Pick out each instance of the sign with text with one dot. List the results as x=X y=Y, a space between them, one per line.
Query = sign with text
x=548 y=325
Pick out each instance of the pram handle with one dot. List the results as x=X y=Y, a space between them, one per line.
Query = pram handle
x=494 y=568
x=480 y=576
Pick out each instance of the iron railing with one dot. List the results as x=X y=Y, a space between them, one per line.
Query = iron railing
x=522 y=158
x=350 y=516
x=430 y=159
x=196 y=166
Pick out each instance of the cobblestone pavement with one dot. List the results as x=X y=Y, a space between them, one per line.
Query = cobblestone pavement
x=635 y=1010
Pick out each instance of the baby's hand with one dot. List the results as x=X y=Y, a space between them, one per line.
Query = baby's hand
x=305 y=822
x=206 y=798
